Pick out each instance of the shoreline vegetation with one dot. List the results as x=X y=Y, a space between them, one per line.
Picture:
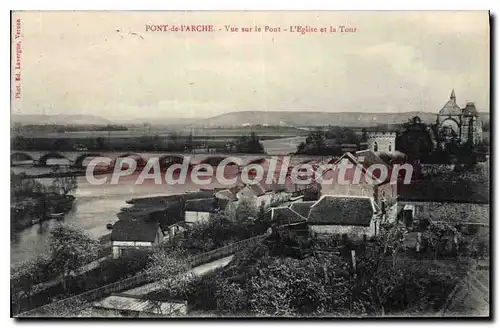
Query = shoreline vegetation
x=32 y=202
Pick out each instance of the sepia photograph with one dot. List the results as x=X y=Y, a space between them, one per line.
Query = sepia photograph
x=250 y=164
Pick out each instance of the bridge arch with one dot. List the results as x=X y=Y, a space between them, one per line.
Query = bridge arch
x=20 y=156
x=168 y=160
x=44 y=158
x=79 y=160
x=213 y=160
x=260 y=160
x=138 y=158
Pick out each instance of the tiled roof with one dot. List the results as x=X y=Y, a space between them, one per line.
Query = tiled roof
x=257 y=189
x=226 y=194
x=285 y=215
x=205 y=204
x=342 y=210
x=470 y=109
x=302 y=207
x=450 y=108
x=369 y=158
x=134 y=230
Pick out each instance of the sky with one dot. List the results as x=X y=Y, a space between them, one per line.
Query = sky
x=107 y=64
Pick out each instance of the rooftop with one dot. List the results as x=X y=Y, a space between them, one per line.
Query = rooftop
x=205 y=204
x=451 y=107
x=285 y=215
x=134 y=230
x=342 y=210
x=302 y=207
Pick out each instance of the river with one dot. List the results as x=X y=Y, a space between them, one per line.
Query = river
x=93 y=208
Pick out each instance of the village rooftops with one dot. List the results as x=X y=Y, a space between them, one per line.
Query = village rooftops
x=227 y=194
x=205 y=204
x=302 y=207
x=369 y=158
x=342 y=210
x=134 y=230
x=285 y=215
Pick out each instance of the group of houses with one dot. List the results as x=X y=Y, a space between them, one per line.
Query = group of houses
x=137 y=233
x=351 y=210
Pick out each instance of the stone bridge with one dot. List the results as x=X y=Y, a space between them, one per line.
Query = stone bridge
x=80 y=159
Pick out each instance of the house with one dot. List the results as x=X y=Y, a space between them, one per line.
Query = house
x=132 y=234
x=354 y=217
x=263 y=194
x=229 y=194
x=257 y=193
x=381 y=190
x=285 y=215
x=199 y=210
x=302 y=208
x=177 y=228
x=132 y=306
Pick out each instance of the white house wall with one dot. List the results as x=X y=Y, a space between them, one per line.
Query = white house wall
x=194 y=217
x=352 y=232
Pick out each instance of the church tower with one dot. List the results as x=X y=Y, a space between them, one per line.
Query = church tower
x=384 y=142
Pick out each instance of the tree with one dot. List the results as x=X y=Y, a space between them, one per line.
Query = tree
x=246 y=210
x=189 y=142
x=416 y=139
x=249 y=144
x=62 y=185
x=27 y=274
x=71 y=248
x=100 y=143
x=364 y=135
x=172 y=276
x=22 y=186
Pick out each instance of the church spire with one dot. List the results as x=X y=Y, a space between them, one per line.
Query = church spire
x=452 y=97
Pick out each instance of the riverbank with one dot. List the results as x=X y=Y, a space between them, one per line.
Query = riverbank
x=36 y=208
x=166 y=210
x=76 y=173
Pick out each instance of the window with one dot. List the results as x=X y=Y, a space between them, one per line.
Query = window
x=390 y=147
x=375 y=146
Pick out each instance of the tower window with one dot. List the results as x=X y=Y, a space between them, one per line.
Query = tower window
x=375 y=146
x=390 y=147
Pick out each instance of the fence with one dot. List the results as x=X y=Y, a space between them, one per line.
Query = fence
x=79 y=301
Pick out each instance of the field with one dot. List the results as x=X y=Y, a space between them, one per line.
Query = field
x=264 y=132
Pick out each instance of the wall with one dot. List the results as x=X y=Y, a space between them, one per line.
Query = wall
x=353 y=232
x=266 y=199
x=348 y=190
x=386 y=141
x=119 y=245
x=194 y=217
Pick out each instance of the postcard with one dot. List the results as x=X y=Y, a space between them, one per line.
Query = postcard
x=269 y=164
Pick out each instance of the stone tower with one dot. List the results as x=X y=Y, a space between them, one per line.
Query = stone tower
x=382 y=142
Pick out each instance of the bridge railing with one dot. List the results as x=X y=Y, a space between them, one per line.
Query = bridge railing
x=74 y=303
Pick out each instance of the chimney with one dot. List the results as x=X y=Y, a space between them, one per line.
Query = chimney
x=215 y=204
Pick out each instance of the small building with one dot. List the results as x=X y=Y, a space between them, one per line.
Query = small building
x=131 y=306
x=302 y=208
x=177 y=228
x=382 y=189
x=133 y=234
x=199 y=210
x=285 y=215
x=229 y=194
x=354 y=217
x=257 y=193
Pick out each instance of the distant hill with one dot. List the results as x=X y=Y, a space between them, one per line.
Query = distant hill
x=283 y=118
x=60 y=119
x=315 y=118
x=346 y=119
